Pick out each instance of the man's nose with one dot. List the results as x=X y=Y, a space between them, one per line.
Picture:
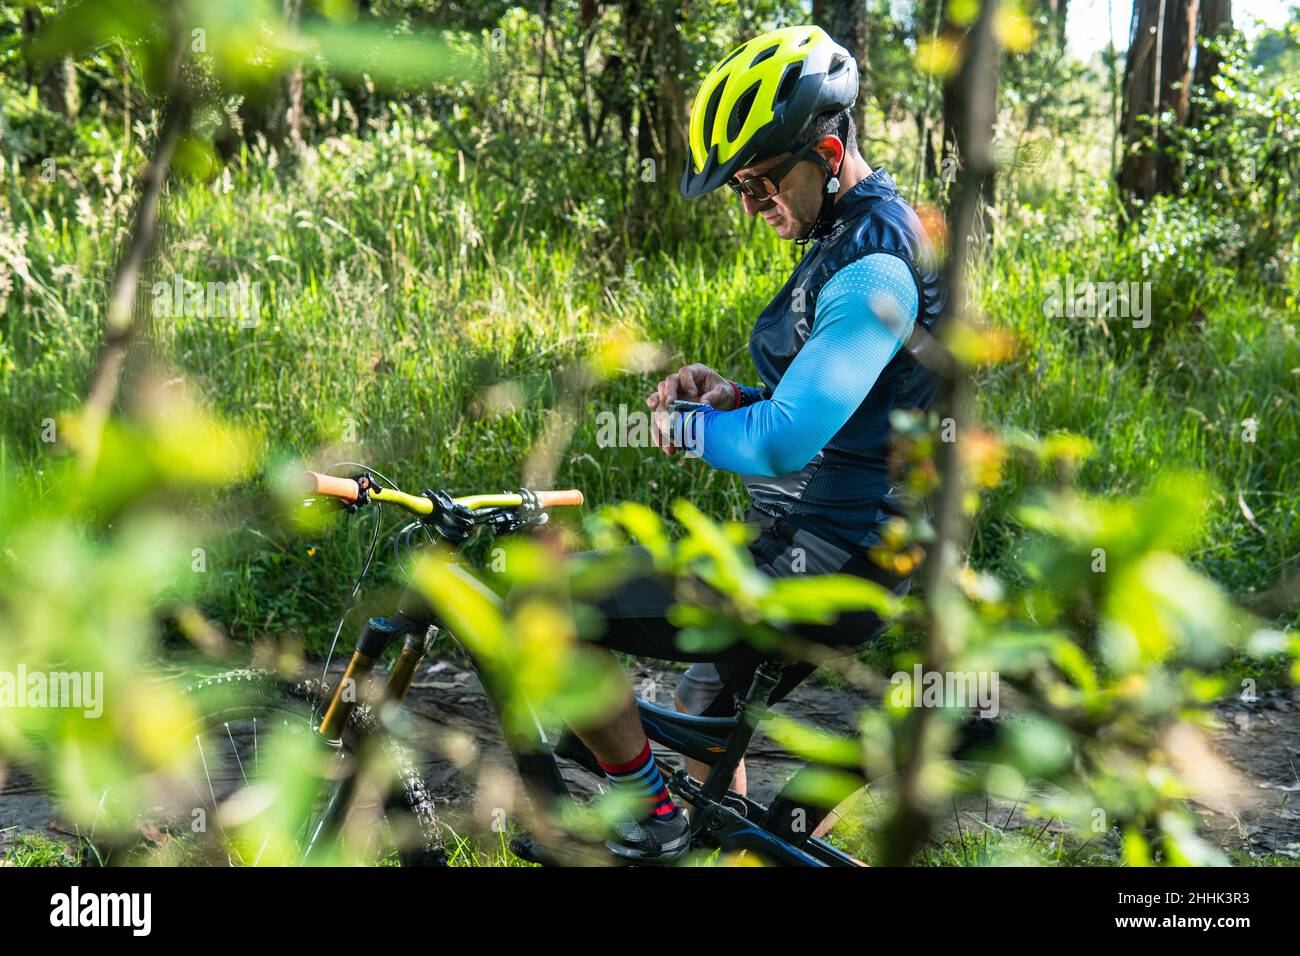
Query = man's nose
x=751 y=205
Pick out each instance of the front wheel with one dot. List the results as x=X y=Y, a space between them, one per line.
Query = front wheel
x=261 y=787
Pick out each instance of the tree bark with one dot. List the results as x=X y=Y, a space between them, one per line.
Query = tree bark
x=56 y=83
x=1157 y=81
x=1215 y=23
x=961 y=108
x=671 y=107
x=292 y=17
x=1057 y=11
x=656 y=60
x=846 y=22
x=972 y=91
x=124 y=310
x=929 y=163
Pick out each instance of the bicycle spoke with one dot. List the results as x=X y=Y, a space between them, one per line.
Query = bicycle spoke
x=223 y=740
x=99 y=809
x=262 y=849
x=198 y=739
x=235 y=750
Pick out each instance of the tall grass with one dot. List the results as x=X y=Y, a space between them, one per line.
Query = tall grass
x=438 y=318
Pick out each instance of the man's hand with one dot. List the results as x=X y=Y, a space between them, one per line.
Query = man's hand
x=694 y=383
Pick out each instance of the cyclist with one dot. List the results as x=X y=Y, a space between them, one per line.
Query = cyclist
x=772 y=122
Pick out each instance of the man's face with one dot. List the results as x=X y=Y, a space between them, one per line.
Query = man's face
x=798 y=202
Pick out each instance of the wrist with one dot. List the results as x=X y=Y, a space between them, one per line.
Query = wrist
x=737 y=396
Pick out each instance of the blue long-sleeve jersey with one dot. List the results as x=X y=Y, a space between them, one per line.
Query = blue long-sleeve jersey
x=865 y=312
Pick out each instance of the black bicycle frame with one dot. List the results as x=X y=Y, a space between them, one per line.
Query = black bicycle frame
x=723 y=817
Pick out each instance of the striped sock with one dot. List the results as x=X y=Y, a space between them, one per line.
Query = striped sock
x=640 y=778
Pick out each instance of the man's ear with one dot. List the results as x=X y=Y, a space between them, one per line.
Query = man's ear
x=832 y=150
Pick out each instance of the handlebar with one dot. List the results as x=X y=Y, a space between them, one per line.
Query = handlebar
x=351 y=490
x=569 y=498
x=345 y=489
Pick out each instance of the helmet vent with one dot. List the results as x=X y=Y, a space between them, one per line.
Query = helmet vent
x=765 y=55
x=788 y=82
x=711 y=111
x=740 y=112
x=730 y=56
x=806 y=40
x=838 y=63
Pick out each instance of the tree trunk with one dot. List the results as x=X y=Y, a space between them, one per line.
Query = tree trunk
x=1056 y=12
x=926 y=20
x=126 y=310
x=56 y=83
x=929 y=163
x=972 y=90
x=293 y=121
x=671 y=106
x=1157 y=81
x=1215 y=24
x=974 y=174
x=658 y=64
x=846 y=22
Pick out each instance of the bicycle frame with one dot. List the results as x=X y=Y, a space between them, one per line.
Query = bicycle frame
x=723 y=817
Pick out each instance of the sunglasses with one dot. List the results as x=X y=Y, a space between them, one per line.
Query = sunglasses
x=762 y=188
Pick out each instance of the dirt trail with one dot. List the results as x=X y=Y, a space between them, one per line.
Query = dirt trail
x=1252 y=804
x=1255 y=759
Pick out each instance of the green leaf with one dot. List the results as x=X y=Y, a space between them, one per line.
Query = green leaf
x=813 y=743
x=821 y=599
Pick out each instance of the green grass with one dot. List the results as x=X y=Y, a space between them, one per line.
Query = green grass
x=397 y=301
x=978 y=845
x=486 y=849
x=35 y=850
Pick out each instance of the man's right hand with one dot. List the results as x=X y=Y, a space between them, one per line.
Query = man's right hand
x=694 y=383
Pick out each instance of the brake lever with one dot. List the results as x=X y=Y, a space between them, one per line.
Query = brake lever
x=508 y=522
x=364 y=484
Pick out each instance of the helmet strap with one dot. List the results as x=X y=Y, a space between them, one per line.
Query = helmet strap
x=824 y=218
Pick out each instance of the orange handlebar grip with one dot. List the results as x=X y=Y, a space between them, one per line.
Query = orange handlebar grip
x=344 y=488
x=555 y=499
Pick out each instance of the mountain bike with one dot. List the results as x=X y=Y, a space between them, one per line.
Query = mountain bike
x=240 y=709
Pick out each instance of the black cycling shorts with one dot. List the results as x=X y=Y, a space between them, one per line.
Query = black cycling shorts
x=635 y=613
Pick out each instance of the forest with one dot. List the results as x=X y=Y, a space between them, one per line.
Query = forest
x=260 y=258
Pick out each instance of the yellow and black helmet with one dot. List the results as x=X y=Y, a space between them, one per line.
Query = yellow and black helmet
x=755 y=103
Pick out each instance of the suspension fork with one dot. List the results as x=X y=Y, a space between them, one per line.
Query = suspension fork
x=414 y=647
x=376 y=636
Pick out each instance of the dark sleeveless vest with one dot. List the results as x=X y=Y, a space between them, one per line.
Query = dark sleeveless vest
x=845 y=492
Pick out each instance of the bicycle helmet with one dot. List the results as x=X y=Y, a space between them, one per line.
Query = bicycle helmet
x=755 y=103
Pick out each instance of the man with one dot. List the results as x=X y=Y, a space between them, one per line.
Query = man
x=772 y=122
